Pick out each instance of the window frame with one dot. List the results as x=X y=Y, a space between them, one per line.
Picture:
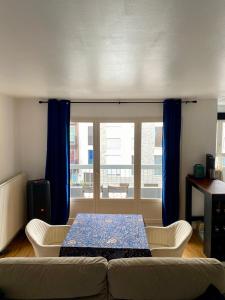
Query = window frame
x=96 y=162
x=219 y=143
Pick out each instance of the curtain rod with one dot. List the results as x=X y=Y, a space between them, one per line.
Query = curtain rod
x=122 y=102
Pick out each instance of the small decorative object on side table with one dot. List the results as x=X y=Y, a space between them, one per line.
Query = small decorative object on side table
x=199 y=171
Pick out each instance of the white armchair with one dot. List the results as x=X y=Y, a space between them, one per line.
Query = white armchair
x=46 y=239
x=169 y=241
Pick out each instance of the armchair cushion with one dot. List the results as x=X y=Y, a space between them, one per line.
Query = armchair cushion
x=56 y=234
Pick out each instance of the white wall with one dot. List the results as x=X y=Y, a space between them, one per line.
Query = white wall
x=198 y=133
x=31 y=137
x=8 y=159
x=198 y=138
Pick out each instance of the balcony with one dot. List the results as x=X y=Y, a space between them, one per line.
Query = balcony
x=117 y=181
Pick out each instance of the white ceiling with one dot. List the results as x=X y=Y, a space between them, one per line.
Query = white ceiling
x=101 y=49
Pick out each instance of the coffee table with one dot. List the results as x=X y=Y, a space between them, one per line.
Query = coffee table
x=107 y=235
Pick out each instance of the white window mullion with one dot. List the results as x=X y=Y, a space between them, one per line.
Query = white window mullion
x=96 y=164
x=137 y=163
x=219 y=137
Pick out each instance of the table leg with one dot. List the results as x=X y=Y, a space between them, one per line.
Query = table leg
x=188 y=211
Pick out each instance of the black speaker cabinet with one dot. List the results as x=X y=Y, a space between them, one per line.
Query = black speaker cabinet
x=210 y=166
x=39 y=200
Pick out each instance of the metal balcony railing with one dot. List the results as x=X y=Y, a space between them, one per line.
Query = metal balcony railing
x=117 y=176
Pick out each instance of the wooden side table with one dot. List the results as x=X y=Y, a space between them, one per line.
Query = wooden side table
x=214 y=213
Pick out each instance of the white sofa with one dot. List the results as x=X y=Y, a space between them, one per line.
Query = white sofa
x=95 y=278
x=53 y=278
x=163 y=278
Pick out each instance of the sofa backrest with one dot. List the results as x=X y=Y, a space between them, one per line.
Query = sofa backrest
x=95 y=278
x=163 y=278
x=54 y=278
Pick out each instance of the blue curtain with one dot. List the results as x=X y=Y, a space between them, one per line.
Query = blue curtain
x=58 y=159
x=171 y=160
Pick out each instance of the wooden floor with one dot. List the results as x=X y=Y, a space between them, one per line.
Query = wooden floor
x=194 y=247
x=20 y=247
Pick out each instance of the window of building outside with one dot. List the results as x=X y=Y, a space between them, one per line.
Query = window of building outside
x=81 y=160
x=158 y=136
x=158 y=164
x=151 y=160
x=116 y=150
x=90 y=135
x=90 y=156
x=116 y=160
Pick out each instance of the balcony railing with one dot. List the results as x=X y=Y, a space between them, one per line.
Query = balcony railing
x=116 y=181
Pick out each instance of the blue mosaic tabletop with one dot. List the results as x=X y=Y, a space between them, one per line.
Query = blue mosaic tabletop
x=107 y=235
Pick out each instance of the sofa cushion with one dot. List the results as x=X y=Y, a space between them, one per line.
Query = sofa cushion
x=211 y=293
x=163 y=278
x=53 y=278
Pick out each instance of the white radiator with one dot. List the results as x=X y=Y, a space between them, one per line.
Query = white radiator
x=12 y=208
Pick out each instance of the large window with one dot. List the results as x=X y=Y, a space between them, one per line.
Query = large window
x=116 y=160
